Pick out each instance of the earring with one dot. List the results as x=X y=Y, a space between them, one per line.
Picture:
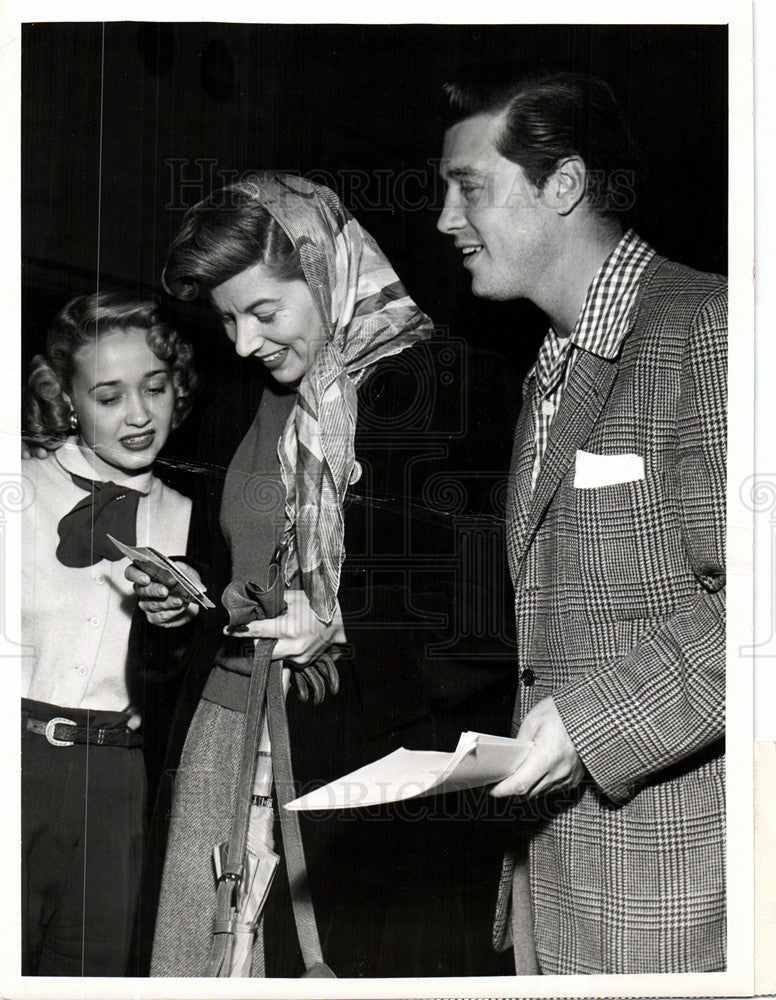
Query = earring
x=73 y=421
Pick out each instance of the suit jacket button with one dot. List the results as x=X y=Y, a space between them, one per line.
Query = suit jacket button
x=528 y=677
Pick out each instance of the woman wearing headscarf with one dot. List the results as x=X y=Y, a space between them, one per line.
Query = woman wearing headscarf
x=326 y=454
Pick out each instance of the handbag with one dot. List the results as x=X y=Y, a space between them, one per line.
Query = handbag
x=248 y=602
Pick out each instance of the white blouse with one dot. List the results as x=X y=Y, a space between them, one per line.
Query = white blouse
x=76 y=621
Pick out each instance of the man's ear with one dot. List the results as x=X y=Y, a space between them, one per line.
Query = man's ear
x=566 y=186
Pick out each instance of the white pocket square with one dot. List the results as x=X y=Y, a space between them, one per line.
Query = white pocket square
x=592 y=471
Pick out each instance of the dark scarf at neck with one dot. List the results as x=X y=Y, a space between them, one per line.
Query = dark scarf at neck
x=83 y=531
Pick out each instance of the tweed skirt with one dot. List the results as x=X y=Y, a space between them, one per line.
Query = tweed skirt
x=203 y=804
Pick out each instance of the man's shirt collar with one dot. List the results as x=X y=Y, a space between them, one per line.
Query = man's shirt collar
x=606 y=312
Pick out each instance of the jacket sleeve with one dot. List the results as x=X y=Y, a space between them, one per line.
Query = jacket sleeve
x=168 y=666
x=159 y=654
x=425 y=594
x=664 y=701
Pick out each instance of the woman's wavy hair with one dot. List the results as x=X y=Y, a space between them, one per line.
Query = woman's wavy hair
x=220 y=237
x=82 y=321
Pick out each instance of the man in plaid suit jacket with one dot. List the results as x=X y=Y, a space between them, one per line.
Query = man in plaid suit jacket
x=615 y=534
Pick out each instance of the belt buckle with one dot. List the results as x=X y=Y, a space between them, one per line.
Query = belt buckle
x=49 y=733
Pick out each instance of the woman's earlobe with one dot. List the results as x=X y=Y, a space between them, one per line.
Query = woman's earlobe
x=72 y=416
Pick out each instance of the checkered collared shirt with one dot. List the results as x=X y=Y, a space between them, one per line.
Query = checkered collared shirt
x=600 y=329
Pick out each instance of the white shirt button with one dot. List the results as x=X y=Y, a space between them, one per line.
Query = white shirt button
x=548 y=407
x=95 y=622
x=81 y=671
x=100 y=580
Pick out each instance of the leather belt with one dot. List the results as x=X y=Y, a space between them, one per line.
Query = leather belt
x=61 y=732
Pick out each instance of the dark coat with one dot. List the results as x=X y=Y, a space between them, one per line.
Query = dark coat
x=427 y=611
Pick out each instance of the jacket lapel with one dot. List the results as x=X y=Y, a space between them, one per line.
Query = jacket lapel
x=519 y=486
x=583 y=399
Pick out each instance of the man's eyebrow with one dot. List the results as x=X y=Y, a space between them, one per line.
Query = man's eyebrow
x=464 y=171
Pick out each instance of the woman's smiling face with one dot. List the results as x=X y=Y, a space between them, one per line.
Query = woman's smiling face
x=123 y=397
x=271 y=319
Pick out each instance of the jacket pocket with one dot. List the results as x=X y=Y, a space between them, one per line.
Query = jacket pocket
x=620 y=551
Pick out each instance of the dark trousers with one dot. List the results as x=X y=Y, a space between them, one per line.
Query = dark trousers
x=82 y=840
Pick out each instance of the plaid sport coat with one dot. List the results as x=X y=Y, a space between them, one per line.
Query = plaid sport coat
x=619 y=598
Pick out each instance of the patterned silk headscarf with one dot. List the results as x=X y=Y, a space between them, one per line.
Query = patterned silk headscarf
x=367 y=315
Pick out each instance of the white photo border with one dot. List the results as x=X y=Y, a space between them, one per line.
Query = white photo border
x=738 y=979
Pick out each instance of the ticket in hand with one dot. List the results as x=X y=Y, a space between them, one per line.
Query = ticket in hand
x=163 y=570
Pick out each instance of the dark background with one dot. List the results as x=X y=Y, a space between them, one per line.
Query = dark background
x=116 y=116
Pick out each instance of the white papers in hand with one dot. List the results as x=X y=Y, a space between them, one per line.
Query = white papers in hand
x=478 y=760
x=163 y=570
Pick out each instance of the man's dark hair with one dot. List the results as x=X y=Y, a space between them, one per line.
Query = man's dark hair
x=552 y=116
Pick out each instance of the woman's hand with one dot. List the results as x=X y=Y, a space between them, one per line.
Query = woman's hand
x=160 y=606
x=302 y=637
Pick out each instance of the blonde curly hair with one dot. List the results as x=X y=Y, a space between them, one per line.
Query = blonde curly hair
x=81 y=322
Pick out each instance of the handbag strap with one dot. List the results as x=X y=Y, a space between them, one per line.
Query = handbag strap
x=265 y=694
x=296 y=866
x=233 y=871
